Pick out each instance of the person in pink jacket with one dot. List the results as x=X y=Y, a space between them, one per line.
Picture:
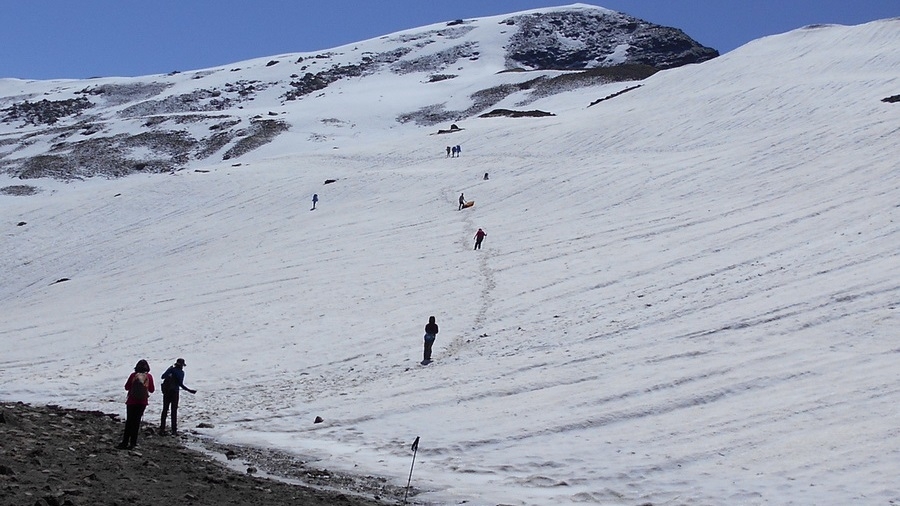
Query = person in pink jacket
x=139 y=386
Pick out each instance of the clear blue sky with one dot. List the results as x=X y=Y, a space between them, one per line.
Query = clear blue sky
x=47 y=39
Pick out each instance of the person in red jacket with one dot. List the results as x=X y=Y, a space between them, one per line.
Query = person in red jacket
x=139 y=386
x=479 y=236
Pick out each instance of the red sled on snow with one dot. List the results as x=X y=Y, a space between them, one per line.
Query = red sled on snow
x=468 y=204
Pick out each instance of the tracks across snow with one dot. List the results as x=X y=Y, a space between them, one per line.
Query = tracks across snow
x=687 y=295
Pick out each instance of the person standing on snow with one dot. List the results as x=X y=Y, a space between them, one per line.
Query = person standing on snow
x=479 y=236
x=431 y=330
x=139 y=386
x=173 y=383
x=315 y=199
x=462 y=201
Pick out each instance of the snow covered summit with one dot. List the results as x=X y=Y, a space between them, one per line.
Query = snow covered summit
x=420 y=77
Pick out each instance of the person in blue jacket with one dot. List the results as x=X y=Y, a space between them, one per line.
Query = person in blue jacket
x=173 y=382
x=315 y=199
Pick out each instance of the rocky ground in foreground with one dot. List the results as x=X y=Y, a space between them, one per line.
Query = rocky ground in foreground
x=50 y=456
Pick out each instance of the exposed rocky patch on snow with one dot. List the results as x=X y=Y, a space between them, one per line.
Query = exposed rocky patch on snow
x=587 y=38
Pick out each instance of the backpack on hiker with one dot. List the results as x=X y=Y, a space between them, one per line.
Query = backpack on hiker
x=167 y=383
x=139 y=390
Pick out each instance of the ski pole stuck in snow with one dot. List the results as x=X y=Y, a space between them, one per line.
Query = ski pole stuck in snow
x=415 y=449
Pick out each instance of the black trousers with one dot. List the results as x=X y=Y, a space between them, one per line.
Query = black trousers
x=132 y=423
x=170 y=399
x=428 y=344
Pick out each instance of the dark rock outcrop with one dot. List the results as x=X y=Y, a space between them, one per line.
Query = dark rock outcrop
x=516 y=114
x=45 y=112
x=580 y=39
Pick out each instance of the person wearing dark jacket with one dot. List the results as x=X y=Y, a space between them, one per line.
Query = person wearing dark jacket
x=173 y=383
x=139 y=386
x=431 y=330
x=479 y=236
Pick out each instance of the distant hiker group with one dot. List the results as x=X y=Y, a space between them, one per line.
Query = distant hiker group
x=431 y=329
x=139 y=386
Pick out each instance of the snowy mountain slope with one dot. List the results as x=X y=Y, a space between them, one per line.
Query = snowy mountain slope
x=440 y=73
x=687 y=295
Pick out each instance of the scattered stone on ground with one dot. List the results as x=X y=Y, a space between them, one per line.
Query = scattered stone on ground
x=52 y=456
